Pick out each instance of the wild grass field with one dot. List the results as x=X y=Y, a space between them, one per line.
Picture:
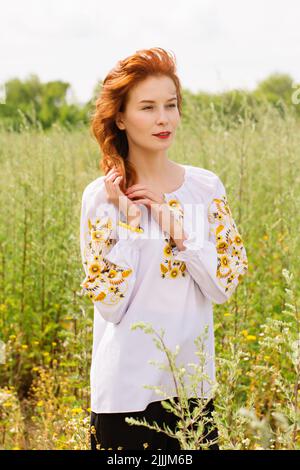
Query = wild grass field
x=46 y=323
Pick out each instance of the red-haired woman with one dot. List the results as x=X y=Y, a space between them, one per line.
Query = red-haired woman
x=158 y=245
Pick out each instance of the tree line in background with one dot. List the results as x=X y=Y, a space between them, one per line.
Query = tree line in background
x=33 y=104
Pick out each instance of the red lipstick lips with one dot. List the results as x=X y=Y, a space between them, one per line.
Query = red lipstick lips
x=163 y=135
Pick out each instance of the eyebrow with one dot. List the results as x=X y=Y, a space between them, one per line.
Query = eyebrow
x=151 y=101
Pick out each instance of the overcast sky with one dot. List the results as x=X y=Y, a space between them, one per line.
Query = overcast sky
x=218 y=44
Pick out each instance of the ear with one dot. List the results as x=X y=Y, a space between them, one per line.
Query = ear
x=119 y=121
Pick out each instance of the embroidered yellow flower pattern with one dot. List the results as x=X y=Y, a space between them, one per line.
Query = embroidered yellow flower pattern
x=105 y=281
x=232 y=258
x=176 y=208
x=171 y=268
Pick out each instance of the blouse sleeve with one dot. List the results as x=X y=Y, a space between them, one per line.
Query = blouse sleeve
x=218 y=264
x=110 y=255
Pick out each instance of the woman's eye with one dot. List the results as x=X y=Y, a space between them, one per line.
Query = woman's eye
x=170 y=105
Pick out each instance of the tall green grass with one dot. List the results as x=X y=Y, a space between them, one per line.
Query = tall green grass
x=46 y=324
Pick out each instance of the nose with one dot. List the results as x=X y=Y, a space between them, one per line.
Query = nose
x=162 y=116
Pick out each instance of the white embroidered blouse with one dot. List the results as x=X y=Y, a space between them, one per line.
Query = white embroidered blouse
x=142 y=276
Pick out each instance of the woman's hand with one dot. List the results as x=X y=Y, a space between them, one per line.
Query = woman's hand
x=161 y=211
x=153 y=200
x=117 y=197
x=112 y=180
x=144 y=195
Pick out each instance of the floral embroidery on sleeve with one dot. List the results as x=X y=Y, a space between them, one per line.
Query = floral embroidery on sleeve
x=232 y=258
x=172 y=268
x=105 y=281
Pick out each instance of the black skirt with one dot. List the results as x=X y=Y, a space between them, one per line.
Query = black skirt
x=110 y=430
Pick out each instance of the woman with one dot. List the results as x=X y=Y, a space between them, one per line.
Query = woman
x=158 y=245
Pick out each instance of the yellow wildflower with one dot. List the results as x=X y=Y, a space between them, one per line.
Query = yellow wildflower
x=76 y=410
x=250 y=337
x=7 y=404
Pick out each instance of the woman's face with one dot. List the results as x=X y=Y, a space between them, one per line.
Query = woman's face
x=141 y=120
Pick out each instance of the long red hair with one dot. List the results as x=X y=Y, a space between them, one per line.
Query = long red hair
x=113 y=98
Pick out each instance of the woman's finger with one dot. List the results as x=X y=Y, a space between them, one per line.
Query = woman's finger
x=135 y=187
x=137 y=193
x=142 y=194
x=110 y=183
x=113 y=175
x=110 y=187
x=117 y=180
x=146 y=192
x=110 y=173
